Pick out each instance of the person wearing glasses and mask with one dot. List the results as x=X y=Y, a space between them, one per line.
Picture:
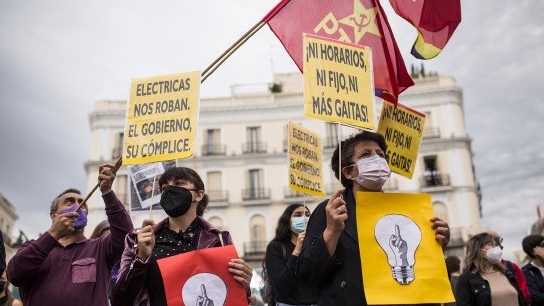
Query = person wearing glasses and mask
x=330 y=255
x=280 y=262
x=485 y=281
x=184 y=200
x=514 y=268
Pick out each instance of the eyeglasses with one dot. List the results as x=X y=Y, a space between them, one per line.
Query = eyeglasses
x=498 y=241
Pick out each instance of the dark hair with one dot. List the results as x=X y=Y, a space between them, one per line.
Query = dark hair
x=473 y=257
x=529 y=243
x=100 y=229
x=55 y=202
x=283 y=235
x=190 y=175
x=347 y=146
x=453 y=264
x=283 y=230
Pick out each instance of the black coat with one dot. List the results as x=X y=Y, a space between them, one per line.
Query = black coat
x=338 y=277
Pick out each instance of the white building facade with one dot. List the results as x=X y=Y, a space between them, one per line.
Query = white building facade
x=241 y=155
x=8 y=217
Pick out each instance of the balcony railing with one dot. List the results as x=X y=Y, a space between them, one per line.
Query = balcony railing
x=290 y=193
x=434 y=180
x=213 y=149
x=217 y=195
x=255 y=194
x=431 y=132
x=253 y=248
x=254 y=147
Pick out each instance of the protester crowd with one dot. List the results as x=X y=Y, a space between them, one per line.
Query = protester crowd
x=312 y=260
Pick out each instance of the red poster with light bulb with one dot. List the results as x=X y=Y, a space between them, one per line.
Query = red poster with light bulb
x=202 y=277
x=401 y=260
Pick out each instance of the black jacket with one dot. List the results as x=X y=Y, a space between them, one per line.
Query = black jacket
x=338 y=277
x=473 y=290
x=535 y=284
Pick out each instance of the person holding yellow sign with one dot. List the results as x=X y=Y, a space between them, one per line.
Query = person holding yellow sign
x=330 y=257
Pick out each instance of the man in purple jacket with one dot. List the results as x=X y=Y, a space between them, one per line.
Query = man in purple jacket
x=62 y=266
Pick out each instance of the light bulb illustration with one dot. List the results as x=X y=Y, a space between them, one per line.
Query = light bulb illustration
x=399 y=237
x=204 y=289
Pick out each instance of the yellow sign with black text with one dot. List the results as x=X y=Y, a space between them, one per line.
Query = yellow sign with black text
x=305 y=161
x=402 y=128
x=162 y=118
x=338 y=82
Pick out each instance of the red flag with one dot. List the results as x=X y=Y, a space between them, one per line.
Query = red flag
x=360 y=22
x=434 y=20
x=201 y=277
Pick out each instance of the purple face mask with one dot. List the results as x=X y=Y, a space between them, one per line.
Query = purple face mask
x=79 y=222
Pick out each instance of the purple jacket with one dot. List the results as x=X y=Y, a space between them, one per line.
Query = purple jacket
x=130 y=286
x=49 y=274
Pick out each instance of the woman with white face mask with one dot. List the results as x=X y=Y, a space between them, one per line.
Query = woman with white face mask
x=281 y=285
x=330 y=256
x=485 y=281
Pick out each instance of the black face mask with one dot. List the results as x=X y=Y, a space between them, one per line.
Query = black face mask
x=176 y=201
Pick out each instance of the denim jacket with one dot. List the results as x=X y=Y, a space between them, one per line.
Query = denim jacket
x=130 y=286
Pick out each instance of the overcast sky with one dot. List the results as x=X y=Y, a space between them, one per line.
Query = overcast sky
x=57 y=58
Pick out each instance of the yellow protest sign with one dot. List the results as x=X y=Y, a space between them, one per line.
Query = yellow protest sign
x=305 y=161
x=162 y=118
x=402 y=128
x=402 y=261
x=338 y=82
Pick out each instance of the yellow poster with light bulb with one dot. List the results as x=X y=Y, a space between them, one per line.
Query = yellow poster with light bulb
x=402 y=262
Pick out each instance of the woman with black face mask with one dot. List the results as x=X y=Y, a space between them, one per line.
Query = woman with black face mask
x=184 y=201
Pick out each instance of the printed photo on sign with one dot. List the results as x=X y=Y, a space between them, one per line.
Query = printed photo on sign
x=142 y=193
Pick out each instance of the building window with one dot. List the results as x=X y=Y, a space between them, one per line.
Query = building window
x=331 y=135
x=253 y=141
x=118 y=147
x=257 y=242
x=255 y=182
x=212 y=143
x=429 y=130
x=217 y=222
x=440 y=211
x=431 y=174
x=215 y=187
x=255 y=186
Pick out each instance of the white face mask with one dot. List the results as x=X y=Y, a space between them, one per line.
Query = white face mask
x=494 y=255
x=373 y=172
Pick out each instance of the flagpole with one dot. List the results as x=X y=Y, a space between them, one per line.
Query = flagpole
x=223 y=57
x=118 y=164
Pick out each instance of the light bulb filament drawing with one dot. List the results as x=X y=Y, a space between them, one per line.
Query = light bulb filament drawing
x=399 y=238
